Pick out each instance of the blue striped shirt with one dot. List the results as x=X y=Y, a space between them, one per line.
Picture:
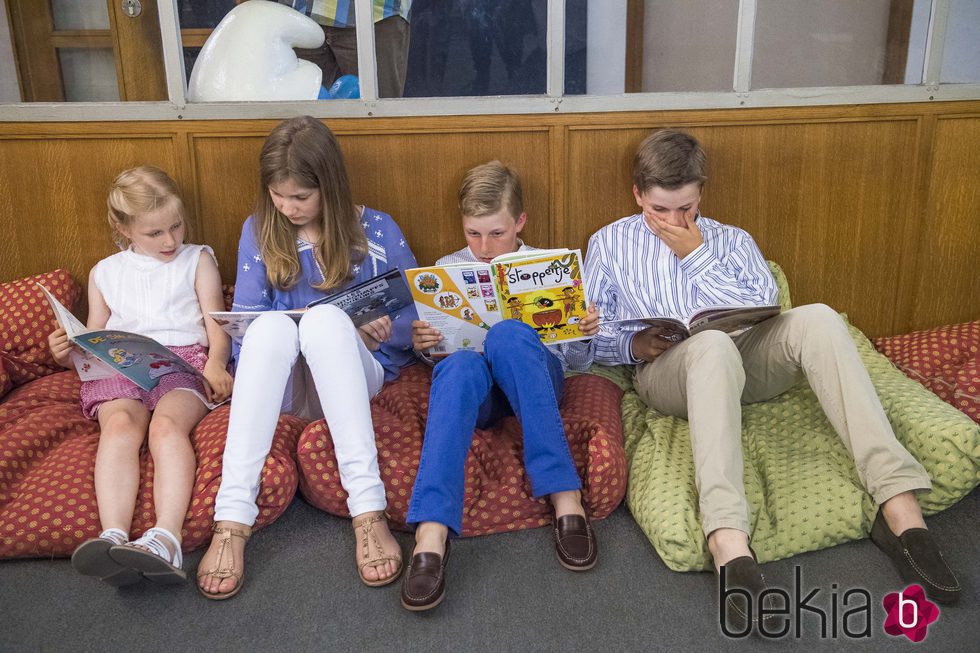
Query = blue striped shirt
x=631 y=273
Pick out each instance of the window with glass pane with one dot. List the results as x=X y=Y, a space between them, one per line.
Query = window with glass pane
x=249 y=58
x=961 y=52
x=802 y=43
x=477 y=47
x=84 y=50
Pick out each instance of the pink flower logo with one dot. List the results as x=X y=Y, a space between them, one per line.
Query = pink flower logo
x=909 y=613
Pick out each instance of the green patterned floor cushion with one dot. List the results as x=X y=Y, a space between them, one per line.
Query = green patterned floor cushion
x=800 y=481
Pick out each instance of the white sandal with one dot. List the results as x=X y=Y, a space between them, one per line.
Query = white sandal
x=91 y=558
x=151 y=557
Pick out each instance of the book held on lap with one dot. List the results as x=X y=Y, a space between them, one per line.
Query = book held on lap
x=542 y=288
x=365 y=302
x=727 y=318
x=104 y=353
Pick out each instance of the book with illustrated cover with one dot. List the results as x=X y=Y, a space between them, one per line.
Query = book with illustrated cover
x=728 y=318
x=365 y=302
x=104 y=353
x=542 y=288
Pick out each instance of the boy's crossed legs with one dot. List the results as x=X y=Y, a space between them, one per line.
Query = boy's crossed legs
x=706 y=378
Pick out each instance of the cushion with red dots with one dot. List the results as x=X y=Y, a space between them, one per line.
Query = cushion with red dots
x=47 y=462
x=26 y=320
x=946 y=360
x=498 y=494
x=5 y=382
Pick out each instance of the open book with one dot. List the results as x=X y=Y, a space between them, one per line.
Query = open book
x=542 y=288
x=727 y=318
x=367 y=301
x=104 y=353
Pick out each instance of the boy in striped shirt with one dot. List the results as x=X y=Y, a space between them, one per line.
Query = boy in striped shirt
x=668 y=260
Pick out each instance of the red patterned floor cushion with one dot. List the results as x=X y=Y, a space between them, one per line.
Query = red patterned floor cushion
x=498 y=496
x=26 y=320
x=946 y=360
x=6 y=383
x=47 y=458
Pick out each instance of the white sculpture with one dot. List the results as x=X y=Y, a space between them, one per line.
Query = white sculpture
x=249 y=56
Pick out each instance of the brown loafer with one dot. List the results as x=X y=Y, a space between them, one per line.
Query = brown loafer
x=575 y=542
x=424 y=584
x=744 y=584
x=918 y=559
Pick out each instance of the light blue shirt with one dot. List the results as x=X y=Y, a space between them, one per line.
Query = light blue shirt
x=631 y=273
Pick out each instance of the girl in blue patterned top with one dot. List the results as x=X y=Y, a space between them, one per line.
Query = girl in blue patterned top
x=307 y=238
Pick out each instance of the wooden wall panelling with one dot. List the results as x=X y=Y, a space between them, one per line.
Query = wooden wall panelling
x=415 y=177
x=817 y=197
x=947 y=288
x=226 y=176
x=54 y=201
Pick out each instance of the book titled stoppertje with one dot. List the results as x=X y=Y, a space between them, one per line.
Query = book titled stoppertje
x=367 y=301
x=542 y=288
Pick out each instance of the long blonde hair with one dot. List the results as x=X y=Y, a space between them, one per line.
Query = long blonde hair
x=138 y=191
x=304 y=150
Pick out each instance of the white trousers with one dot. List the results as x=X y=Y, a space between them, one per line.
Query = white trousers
x=272 y=377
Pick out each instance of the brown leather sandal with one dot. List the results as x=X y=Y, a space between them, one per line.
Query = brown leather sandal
x=367 y=536
x=220 y=571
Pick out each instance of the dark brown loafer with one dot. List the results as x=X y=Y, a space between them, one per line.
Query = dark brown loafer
x=918 y=560
x=744 y=583
x=424 y=584
x=575 y=542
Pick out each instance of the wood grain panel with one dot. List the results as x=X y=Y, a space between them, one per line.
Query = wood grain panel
x=947 y=288
x=416 y=177
x=53 y=207
x=412 y=176
x=834 y=193
x=818 y=198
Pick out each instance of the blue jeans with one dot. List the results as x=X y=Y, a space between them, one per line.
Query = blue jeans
x=516 y=374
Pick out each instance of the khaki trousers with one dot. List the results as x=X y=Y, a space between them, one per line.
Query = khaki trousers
x=707 y=378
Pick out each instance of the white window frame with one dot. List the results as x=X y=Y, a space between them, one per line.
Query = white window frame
x=554 y=100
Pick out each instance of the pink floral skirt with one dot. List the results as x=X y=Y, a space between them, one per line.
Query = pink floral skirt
x=95 y=393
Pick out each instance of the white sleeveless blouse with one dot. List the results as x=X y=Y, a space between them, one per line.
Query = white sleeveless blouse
x=154 y=298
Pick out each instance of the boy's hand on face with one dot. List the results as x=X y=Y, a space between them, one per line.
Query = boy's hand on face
x=375 y=332
x=647 y=345
x=589 y=326
x=681 y=240
x=424 y=337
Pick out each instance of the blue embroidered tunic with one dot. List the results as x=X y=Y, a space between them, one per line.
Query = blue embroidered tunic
x=387 y=249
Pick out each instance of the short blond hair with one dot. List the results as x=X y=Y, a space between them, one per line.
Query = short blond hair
x=489 y=187
x=669 y=159
x=138 y=191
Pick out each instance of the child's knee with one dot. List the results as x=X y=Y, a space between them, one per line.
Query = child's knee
x=323 y=319
x=121 y=427
x=712 y=348
x=504 y=336
x=271 y=327
x=462 y=364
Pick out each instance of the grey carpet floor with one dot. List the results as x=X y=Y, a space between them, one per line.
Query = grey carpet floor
x=505 y=593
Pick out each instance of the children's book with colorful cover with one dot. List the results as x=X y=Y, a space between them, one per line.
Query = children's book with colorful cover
x=104 y=353
x=723 y=317
x=367 y=301
x=542 y=288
